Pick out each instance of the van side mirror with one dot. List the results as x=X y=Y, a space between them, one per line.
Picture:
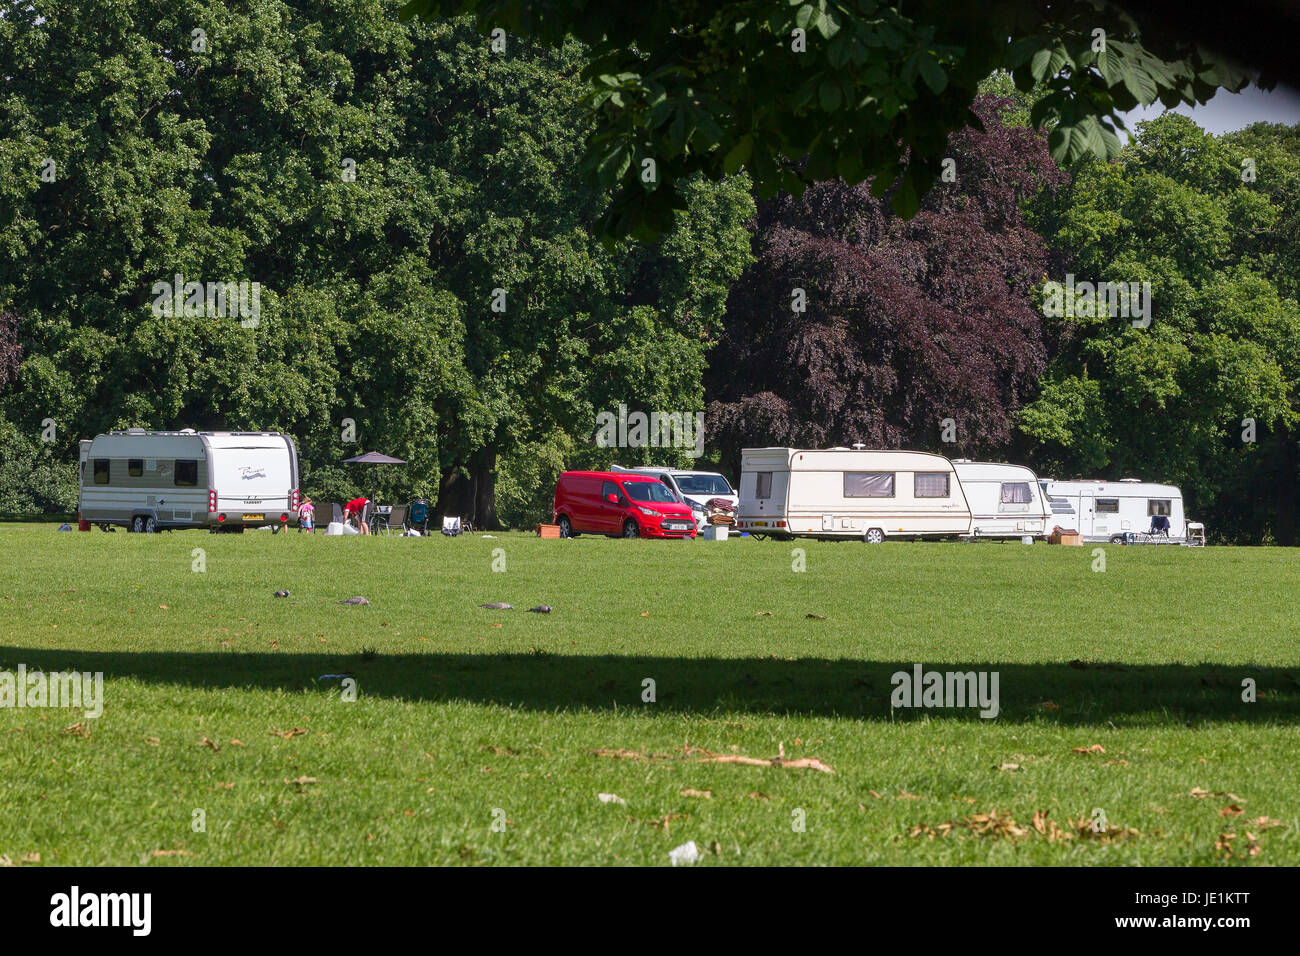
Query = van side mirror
x=612 y=499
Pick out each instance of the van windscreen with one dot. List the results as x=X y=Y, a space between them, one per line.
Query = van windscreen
x=649 y=491
x=703 y=485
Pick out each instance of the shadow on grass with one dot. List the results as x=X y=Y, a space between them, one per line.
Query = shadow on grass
x=1060 y=693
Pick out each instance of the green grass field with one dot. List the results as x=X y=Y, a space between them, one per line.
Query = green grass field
x=467 y=717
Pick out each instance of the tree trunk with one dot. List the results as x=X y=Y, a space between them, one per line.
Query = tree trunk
x=472 y=496
x=1288 y=478
x=453 y=493
x=483 y=471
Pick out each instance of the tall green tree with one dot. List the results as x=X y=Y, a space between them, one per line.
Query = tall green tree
x=406 y=197
x=1208 y=394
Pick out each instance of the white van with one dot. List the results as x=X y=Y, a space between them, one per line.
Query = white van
x=847 y=492
x=1006 y=501
x=148 y=481
x=1108 y=510
x=695 y=488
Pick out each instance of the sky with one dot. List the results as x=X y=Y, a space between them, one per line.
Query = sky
x=1228 y=112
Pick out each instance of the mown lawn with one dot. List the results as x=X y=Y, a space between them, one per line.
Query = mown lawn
x=466 y=716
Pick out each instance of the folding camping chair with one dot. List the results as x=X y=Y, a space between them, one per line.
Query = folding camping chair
x=1159 y=526
x=451 y=525
x=396 y=516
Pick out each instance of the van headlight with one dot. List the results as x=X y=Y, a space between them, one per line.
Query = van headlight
x=648 y=511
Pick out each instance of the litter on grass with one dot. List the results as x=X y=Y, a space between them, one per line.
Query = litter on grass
x=684 y=855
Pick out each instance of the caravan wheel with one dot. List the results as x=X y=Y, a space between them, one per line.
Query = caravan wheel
x=150 y=525
x=137 y=524
x=874 y=536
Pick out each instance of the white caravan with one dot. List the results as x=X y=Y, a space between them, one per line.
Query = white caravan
x=1006 y=501
x=1109 y=510
x=848 y=492
x=148 y=481
x=696 y=488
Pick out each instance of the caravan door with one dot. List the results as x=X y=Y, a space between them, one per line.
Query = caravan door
x=1100 y=512
x=1084 y=509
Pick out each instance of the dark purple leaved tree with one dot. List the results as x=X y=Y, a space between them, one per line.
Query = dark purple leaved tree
x=905 y=323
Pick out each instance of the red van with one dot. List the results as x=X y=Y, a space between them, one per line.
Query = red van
x=616 y=503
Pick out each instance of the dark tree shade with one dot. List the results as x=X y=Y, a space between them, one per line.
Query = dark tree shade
x=11 y=352
x=907 y=323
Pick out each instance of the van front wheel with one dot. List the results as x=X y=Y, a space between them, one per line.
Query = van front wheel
x=631 y=529
x=874 y=536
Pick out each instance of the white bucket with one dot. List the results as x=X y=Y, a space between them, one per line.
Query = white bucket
x=334 y=528
x=1026 y=539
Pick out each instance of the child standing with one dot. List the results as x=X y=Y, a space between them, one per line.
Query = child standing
x=307 y=516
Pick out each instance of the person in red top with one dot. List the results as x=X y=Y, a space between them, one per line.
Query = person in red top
x=353 y=510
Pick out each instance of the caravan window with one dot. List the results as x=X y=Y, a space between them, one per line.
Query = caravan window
x=763 y=484
x=1159 y=506
x=931 y=484
x=135 y=467
x=101 y=471
x=187 y=473
x=868 y=484
x=1109 y=506
x=1016 y=493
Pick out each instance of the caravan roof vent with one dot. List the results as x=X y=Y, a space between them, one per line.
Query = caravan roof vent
x=858 y=446
x=188 y=431
x=960 y=461
x=839 y=448
x=1132 y=480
